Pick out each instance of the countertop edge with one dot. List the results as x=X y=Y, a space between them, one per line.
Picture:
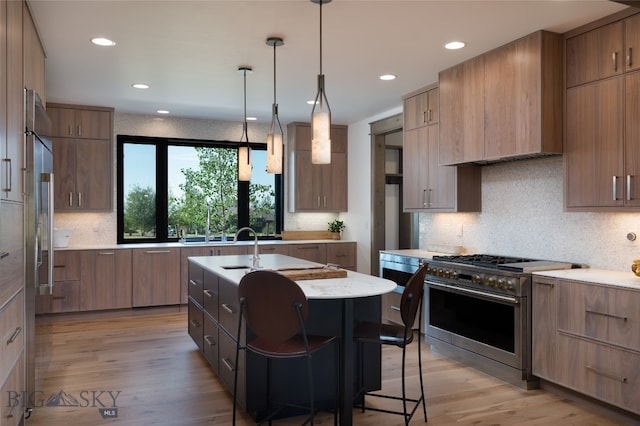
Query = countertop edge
x=596 y=276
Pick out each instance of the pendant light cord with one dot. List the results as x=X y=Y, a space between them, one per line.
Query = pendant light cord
x=244 y=125
x=321 y=37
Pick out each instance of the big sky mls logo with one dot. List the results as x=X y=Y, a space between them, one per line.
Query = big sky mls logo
x=104 y=400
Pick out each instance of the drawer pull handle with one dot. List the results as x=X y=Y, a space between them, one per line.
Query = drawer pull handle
x=157 y=251
x=544 y=283
x=209 y=340
x=14 y=336
x=228 y=364
x=308 y=248
x=395 y=308
x=9 y=185
x=209 y=293
x=106 y=253
x=605 y=314
x=192 y=282
x=607 y=374
x=58 y=297
x=227 y=308
x=3 y=255
x=629 y=57
x=195 y=323
x=614 y=57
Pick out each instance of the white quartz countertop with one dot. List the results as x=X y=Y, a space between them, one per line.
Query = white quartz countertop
x=596 y=276
x=195 y=244
x=355 y=285
x=413 y=253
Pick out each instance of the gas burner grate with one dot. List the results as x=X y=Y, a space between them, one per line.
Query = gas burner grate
x=485 y=260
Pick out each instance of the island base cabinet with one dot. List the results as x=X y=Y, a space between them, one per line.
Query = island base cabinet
x=195 y=318
x=227 y=365
x=210 y=342
x=602 y=371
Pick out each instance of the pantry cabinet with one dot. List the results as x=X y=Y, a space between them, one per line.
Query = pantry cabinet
x=585 y=338
x=82 y=152
x=602 y=171
x=426 y=185
x=505 y=104
x=317 y=187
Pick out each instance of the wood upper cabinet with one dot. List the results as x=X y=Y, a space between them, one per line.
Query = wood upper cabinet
x=632 y=43
x=595 y=55
x=80 y=122
x=82 y=170
x=34 y=58
x=156 y=276
x=507 y=103
x=426 y=185
x=421 y=109
x=462 y=113
x=317 y=187
x=106 y=279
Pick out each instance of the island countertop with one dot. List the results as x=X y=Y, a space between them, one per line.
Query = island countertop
x=355 y=285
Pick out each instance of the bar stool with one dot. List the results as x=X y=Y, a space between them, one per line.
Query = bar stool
x=400 y=336
x=275 y=308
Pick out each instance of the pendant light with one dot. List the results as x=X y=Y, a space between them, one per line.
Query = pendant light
x=321 y=114
x=244 y=152
x=275 y=134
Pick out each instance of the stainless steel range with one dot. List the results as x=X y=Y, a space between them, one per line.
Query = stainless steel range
x=478 y=311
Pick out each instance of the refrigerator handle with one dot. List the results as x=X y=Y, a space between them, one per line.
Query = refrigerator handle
x=49 y=180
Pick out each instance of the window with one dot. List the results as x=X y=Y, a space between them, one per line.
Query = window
x=170 y=189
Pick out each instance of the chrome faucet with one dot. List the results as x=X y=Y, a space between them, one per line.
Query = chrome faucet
x=256 y=257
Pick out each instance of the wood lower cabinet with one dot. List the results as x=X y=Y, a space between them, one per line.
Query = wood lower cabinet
x=66 y=293
x=585 y=337
x=106 y=279
x=314 y=252
x=343 y=254
x=11 y=249
x=156 y=277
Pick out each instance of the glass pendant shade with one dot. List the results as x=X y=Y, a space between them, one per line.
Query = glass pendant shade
x=274 y=153
x=244 y=163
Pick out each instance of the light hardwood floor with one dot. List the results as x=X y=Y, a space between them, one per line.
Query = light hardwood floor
x=163 y=380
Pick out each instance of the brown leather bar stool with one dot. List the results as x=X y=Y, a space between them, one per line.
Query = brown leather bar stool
x=400 y=336
x=275 y=308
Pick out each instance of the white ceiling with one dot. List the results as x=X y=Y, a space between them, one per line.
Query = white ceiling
x=189 y=51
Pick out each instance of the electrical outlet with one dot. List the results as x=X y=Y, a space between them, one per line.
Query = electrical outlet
x=460 y=230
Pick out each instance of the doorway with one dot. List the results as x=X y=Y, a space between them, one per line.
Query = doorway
x=391 y=228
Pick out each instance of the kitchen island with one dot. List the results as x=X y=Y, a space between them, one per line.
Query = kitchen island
x=334 y=305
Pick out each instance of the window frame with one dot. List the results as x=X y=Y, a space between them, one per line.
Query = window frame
x=161 y=181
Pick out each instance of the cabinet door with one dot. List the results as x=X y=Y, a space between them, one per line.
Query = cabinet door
x=632 y=139
x=156 y=277
x=185 y=288
x=93 y=124
x=462 y=110
x=63 y=121
x=441 y=189
x=106 y=279
x=343 y=254
x=593 y=149
x=414 y=161
x=632 y=43
x=11 y=249
x=595 y=55
x=64 y=172
x=544 y=326
x=93 y=174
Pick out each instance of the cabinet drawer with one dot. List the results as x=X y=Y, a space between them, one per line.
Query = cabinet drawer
x=195 y=279
x=11 y=250
x=228 y=365
x=312 y=252
x=274 y=249
x=600 y=371
x=12 y=333
x=11 y=409
x=210 y=295
x=196 y=323
x=66 y=296
x=210 y=342
x=229 y=310
x=343 y=254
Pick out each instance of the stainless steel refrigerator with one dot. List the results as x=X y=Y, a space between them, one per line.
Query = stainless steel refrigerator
x=38 y=221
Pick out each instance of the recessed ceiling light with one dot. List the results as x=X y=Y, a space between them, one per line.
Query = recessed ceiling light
x=453 y=45
x=140 y=86
x=162 y=111
x=251 y=118
x=101 y=41
x=312 y=102
x=387 y=77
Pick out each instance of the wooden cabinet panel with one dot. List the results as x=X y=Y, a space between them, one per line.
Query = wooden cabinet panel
x=544 y=325
x=229 y=308
x=343 y=254
x=414 y=162
x=156 y=277
x=316 y=187
x=314 y=252
x=231 y=250
x=195 y=320
x=185 y=279
x=65 y=297
x=211 y=295
x=11 y=250
x=12 y=333
x=630 y=180
x=595 y=55
x=210 y=342
x=34 y=58
x=82 y=168
x=106 y=279
x=80 y=122
x=195 y=281
x=593 y=150
x=12 y=414
x=274 y=249
x=462 y=112
x=421 y=109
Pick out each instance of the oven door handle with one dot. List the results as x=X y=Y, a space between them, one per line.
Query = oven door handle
x=461 y=290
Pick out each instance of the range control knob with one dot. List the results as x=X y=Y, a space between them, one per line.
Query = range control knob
x=476 y=279
x=454 y=275
x=511 y=285
x=502 y=283
x=493 y=282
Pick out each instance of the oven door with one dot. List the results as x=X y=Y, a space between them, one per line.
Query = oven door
x=480 y=323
